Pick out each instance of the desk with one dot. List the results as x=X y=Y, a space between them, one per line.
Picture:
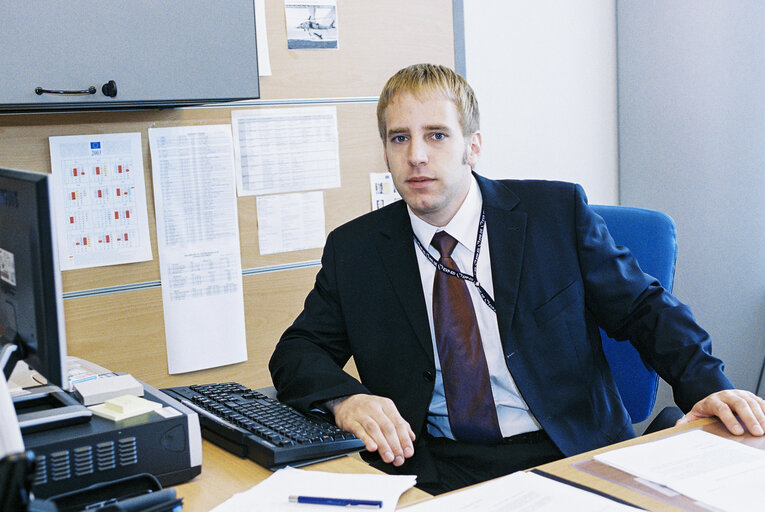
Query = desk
x=225 y=474
x=564 y=469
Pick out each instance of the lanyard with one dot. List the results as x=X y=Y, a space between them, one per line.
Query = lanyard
x=456 y=273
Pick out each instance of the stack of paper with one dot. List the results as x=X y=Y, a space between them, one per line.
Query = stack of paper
x=521 y=492
x=273 y=493
x=719 y=472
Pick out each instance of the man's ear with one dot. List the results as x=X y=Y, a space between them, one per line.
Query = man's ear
x=474 y=149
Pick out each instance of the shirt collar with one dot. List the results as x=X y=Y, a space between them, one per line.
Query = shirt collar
x=463 y=226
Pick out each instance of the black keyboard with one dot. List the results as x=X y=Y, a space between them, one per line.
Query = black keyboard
x=250 y=424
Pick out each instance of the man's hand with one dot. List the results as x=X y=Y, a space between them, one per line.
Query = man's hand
x=728 y=404
x=376 y=421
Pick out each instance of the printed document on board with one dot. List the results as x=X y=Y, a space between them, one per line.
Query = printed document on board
x=198 y=239
x=280 y=150
x=99 y=199
x=291 y=222
x=264 y=61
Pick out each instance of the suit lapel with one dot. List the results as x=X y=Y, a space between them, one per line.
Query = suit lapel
x=507 y=233
x=396 y=248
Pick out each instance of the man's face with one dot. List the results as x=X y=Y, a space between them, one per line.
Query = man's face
x=428 y=156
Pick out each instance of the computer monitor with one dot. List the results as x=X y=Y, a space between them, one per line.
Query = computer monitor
x=31 y=307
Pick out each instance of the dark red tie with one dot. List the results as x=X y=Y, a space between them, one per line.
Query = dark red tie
x=469 y=402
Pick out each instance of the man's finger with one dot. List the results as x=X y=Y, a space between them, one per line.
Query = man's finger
x=749 y=410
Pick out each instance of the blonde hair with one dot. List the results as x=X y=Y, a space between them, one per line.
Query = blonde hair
x=421 y=79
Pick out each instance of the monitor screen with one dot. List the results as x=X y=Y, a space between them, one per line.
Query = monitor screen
x=31 y=307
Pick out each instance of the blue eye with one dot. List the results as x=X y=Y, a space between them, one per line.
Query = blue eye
x=439 y=136
x=399 y=138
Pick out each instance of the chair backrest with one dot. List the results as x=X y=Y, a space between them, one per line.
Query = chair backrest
x=651 y=237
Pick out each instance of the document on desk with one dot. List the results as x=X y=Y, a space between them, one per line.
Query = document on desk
x=99 y=200
x=280 y=150
x=273 y=493
x=719 y=472
x=521 y=492
x=198 y=239
x=10 y=434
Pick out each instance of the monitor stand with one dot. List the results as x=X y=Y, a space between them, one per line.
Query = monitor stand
x=48 y=407
x=41 y=407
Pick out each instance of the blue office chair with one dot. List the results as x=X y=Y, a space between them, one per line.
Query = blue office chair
x=651 y=237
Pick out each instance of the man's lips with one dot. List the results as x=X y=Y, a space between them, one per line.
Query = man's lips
x=419 y=181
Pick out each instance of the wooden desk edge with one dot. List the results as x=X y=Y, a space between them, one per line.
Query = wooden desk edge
x=224 y=474
x=565 y=469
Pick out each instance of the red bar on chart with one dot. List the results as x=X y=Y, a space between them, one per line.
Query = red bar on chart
x=116 y=215
x=119 y=168
x=71 y=220
x=74 y=196
x=126 y=238
x=127 y=214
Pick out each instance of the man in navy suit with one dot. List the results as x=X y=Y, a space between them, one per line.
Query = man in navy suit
x=542 y=273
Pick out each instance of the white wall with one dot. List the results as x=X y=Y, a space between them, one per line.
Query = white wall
x=544 y=72
x=692 y=143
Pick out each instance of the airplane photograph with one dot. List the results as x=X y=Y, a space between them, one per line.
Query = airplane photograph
x=311 y=25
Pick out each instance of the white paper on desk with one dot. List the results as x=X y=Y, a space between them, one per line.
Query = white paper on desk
x=290 y=222
x=10 y=433
x=273 y=493
x=198 y=239
x=521 y=492
x=99 y=199
x=720 y=472
x=281 y=150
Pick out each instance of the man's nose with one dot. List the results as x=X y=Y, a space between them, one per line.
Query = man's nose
x=418 y=153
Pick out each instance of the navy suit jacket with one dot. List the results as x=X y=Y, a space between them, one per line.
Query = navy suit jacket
x=557 y=276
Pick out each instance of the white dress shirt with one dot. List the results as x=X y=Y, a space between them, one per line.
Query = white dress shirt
x=513 y=413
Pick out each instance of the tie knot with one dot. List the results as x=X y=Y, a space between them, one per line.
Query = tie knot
x=444 y=243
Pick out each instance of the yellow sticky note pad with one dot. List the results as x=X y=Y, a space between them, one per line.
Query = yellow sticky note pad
x=123 y=407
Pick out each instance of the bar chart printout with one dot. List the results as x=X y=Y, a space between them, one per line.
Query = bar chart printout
x=198 y=240
x=99 y=200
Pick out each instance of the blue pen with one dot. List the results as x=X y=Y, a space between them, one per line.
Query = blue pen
x=338 y=502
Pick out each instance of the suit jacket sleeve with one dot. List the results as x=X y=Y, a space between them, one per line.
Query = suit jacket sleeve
x=660 y=327
x=307 y=364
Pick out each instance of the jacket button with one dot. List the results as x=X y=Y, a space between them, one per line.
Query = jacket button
x=429 y=375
